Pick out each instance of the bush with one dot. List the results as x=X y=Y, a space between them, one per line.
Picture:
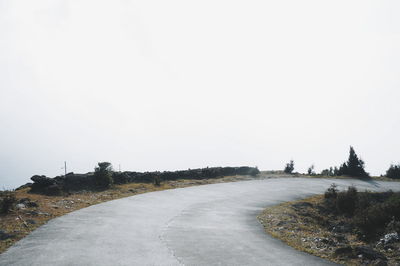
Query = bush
x=331 y=192
x=289 y=167
x=380 y=216
x=393 y=226
x=103 y=175
x=346 y=201
x=7 y=201
x=253 y=171
x=393 y=171
x=370 y=214
x=372 y=221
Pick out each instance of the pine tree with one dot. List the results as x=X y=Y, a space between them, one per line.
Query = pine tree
x=289 y=167
x=393 y=171
x=354 y=166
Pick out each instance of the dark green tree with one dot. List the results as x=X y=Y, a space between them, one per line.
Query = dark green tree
x=103 y=175
x=328 y=172
x=310 y=170
x=289 y=167
x=393 y=171
x=353 y=167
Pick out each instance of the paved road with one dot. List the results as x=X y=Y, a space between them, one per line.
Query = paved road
x=205 y=225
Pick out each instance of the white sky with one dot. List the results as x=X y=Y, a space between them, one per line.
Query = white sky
x=166 y=85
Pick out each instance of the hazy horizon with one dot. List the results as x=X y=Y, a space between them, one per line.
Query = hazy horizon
x=168 y=85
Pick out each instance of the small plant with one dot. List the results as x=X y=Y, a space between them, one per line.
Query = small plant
x=393 y=171
x=331 y=192
x=289 y=167
x=103 y=175
x=7 y=201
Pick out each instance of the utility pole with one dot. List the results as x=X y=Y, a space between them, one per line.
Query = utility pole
x=65 y=168
x=119 y=167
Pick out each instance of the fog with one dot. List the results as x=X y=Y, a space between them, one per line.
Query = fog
x=167 y=85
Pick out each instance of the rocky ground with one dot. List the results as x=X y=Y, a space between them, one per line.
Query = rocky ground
x=301 y=225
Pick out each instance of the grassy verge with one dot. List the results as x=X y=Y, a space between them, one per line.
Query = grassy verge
x=310 y=226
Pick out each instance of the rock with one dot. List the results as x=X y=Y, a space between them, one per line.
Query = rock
x=20 y=206
x=328 y=241
x=388 y=247
x=341 y=238
x=28 y=203
x=32 y=204
x=369 y=253
x=379 y=263
x=4 y=235
x=280 y=223
x=24 y=200
x=30 y=221
x=389 y=238
x=33 y=213
x=344 y=251
x=342 y=228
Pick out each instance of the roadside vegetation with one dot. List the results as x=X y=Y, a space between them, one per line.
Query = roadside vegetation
x=347 y=227
x=354 y=167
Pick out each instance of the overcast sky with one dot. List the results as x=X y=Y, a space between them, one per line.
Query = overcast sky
x=166 y=85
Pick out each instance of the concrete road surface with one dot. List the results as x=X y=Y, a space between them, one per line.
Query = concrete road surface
x=204 y=225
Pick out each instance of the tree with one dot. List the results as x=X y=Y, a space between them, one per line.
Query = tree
x=103 y=175
x=157 y=181
x=393 y=171
x=328 y=172
x=289 y=167
x=310 y=170
x=353 y=167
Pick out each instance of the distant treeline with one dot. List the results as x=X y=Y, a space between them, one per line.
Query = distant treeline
x=104 y=177
x=353 y=167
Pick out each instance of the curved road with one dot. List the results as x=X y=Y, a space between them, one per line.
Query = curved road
x=204 y=225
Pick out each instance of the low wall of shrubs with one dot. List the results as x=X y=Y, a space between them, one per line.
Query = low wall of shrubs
x=76 y=182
